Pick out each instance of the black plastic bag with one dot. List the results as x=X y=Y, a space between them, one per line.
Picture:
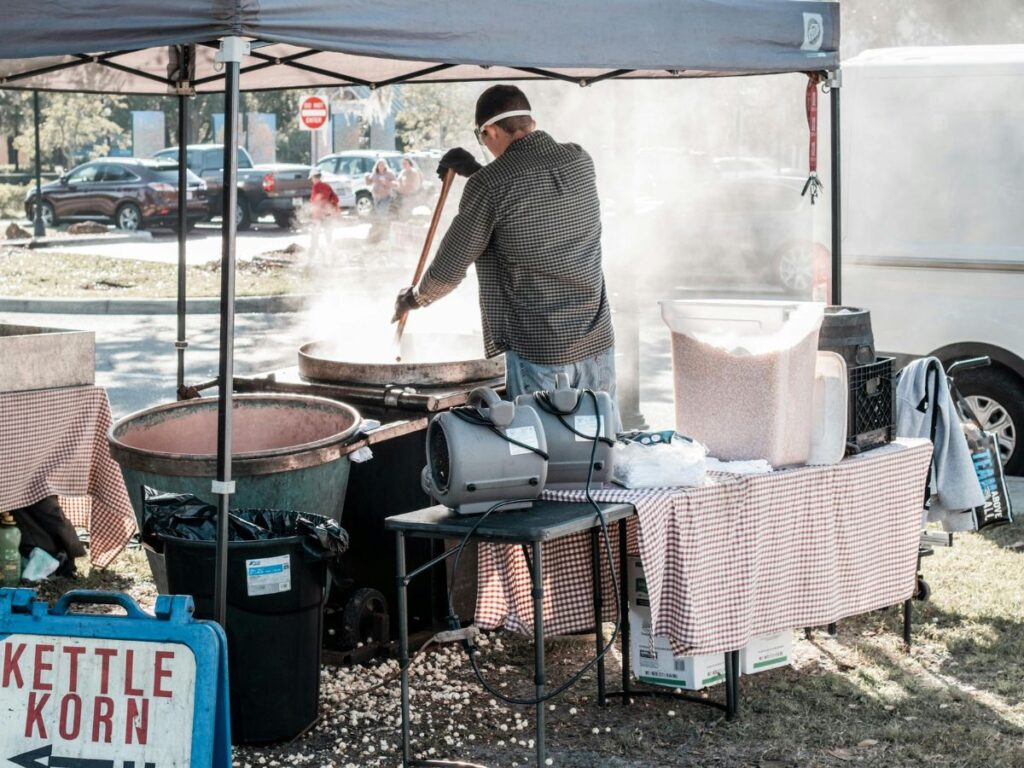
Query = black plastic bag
x=185 y=516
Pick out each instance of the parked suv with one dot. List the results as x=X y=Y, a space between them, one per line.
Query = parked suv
x=727 y=231
x=272 y=189
x=133 y=193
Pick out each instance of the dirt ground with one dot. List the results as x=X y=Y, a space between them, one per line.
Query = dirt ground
x=857 y=698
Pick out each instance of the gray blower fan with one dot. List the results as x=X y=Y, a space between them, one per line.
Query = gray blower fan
x=571 y=419
x=489 y=451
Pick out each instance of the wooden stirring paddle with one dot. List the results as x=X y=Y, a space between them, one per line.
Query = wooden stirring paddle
x=446 y=184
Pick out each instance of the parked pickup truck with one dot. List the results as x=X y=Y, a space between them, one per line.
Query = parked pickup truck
x=263 y=190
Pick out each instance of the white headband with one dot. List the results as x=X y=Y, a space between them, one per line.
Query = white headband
x=503 y=115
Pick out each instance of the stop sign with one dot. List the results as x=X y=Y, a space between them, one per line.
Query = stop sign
x=312 y=113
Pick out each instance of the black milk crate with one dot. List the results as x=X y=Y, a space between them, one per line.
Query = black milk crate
x=872 y=416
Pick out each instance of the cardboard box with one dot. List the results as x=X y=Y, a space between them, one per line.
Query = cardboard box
x=767 y=652
x=653 y=662
x=45 y=358
x=637 y=592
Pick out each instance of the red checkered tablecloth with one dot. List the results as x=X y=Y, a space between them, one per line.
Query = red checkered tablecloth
x=742 y=557
x=54 y=442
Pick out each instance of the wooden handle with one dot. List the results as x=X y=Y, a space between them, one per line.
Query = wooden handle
x=446 y=184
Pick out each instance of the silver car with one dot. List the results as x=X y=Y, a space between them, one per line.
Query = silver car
x=346 y=173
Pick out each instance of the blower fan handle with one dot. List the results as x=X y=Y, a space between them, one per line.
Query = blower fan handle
x=485 y=400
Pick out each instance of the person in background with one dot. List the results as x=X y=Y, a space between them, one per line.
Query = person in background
x=324 y=207
x=410 y=183
x=382 y=185
x=531 y=224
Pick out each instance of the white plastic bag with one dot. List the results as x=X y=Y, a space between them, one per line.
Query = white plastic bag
x=39 y=566
x=658 y=460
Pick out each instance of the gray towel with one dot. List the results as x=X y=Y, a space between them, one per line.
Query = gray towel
x=954 y=484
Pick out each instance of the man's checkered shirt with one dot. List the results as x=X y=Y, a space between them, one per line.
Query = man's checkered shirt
x=531 y=223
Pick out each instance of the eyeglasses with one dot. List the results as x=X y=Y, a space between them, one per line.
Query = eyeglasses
x=479 y=133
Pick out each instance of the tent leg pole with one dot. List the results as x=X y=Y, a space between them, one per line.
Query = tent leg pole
x=180 y=343
x=38 y=227
x=230 y=55
x=836 y=177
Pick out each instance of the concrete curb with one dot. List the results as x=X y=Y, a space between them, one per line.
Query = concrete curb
x=71 y=240
x=196 y=306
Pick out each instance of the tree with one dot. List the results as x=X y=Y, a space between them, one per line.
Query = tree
x=73 y=127
x=15 y=119
x=437 y=115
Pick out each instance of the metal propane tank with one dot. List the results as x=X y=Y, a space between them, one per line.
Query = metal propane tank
x=10 y=557
x=571 y=418
x=489 y=451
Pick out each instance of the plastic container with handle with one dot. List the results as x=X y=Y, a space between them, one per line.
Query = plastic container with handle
x=744 y=376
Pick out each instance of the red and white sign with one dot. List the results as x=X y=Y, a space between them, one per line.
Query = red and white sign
x=95 y=702
x=313 y=113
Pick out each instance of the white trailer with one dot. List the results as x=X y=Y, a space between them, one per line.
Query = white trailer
x=933 y=214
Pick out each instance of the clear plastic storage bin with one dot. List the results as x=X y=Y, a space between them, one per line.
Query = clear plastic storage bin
x=744 y=376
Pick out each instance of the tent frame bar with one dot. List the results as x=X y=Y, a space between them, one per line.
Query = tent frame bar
x=294 y=61
x=835 y=82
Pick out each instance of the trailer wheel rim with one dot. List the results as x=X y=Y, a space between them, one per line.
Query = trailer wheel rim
x=996 y=419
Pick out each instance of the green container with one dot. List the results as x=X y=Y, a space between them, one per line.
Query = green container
x=288 y=452
x=10 y=557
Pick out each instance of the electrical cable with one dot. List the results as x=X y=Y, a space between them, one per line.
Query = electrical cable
x=470 y=416
x=543 y=399
x=453 y=619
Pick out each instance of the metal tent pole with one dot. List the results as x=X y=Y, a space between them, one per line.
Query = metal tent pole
x=835 y=173
x=38 y=227
x=180 y=343
x=232 y=50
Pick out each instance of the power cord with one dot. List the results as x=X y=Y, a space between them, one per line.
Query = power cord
x=453 y=619
x=470 y=416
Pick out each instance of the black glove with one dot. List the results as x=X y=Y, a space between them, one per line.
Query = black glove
x=405 y=302
x=460 y=161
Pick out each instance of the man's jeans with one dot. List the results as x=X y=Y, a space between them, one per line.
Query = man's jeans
x=523 y=377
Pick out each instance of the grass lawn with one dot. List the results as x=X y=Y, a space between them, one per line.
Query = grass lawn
x=32 y=273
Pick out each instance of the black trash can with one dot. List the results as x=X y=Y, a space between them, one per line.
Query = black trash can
x=273 y=631
x=275 y=606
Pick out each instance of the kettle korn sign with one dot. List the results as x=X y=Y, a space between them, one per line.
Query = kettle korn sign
x=77 y=702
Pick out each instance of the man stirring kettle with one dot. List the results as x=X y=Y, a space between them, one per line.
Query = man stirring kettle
x=530 y=221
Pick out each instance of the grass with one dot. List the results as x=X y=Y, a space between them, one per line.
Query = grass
x=32 y=273
x=957 y=699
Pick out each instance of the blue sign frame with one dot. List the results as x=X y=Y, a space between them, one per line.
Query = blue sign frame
x=22 y=613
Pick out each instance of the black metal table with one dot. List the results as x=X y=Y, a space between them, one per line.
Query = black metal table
x=530 y=528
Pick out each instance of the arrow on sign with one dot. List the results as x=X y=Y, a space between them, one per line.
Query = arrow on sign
x=43 y=758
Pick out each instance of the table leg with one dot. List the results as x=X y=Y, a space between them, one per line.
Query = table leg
x=908 y=612
x=403 y=641
x=832 y=629
x=624 y=612
x=732 y=684
x=595 y=557
x=538 y=645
